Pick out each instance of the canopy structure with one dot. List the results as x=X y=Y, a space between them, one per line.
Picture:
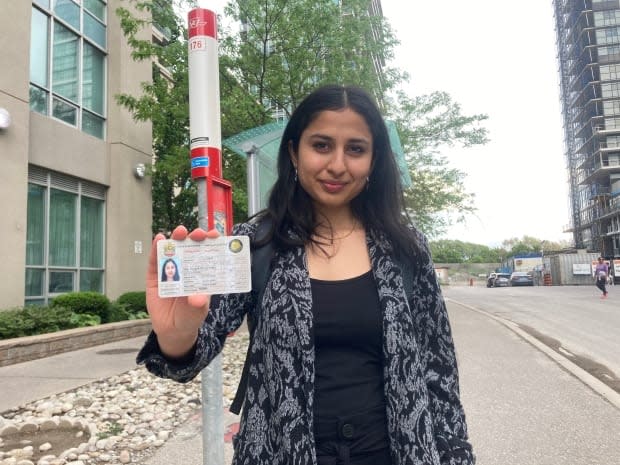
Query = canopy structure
x=399 y=155
x=264 y=142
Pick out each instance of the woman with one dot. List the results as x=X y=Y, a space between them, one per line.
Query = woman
x=170 y=271
x=345 y=368
x=600 y=272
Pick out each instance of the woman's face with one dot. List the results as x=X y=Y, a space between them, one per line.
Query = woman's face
x=170 y=270
x=334 y=158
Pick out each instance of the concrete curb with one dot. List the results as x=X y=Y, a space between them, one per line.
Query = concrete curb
x=28 y=348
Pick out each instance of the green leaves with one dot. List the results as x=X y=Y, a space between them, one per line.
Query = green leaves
x=454 y=251
x=285 y=49
x=428 y=124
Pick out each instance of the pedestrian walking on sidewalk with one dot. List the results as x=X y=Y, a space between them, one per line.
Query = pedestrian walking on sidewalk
x=352 y=360
x=601 y=272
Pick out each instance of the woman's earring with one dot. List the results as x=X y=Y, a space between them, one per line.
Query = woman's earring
x=295 y=178
x=367 y=182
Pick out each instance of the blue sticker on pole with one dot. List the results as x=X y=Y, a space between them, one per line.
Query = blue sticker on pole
x=200 y=162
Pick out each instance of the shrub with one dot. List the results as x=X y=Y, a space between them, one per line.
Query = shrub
x=72 y=310
x=90 y=303
x=34 y=320
x=46 y=319
x=81 y=320
x=135 y=302
x=139 y=316
x=118 y=312
x=12 y=324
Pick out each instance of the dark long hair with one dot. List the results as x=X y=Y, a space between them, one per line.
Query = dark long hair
x=379 y=207
x=176 y=276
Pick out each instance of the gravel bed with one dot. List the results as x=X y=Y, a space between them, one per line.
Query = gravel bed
x=119 y=420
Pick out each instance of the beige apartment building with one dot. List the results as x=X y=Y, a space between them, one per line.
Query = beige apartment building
x=76 y=214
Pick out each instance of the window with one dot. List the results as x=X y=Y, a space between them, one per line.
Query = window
x=610 y=72
x=610 y=90
x=608 y=53
x=608 y=35
x=607 y=18
x=611 y=108
x=613 y=141
x=64 y=234
x=68 y=62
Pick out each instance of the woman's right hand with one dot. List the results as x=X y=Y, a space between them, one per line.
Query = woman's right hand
x=175 y=320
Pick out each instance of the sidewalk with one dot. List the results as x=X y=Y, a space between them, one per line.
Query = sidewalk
x=29 y=381
x=522 y=407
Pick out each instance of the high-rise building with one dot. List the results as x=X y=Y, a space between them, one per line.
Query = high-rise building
x=76 y=207
x=588 y=44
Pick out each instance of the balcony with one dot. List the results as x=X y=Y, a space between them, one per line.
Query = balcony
x=600 y=169
x=612 y=209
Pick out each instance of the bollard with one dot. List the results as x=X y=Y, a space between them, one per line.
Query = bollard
x=471 y=281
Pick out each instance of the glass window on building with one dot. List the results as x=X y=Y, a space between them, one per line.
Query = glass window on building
x=606 y=18
x=610 y=72
x=611 y=108
x=65 y=236
x=610 y=90
x=613 y=141
x=68 y=62
x=608 y=35
x=608 y=53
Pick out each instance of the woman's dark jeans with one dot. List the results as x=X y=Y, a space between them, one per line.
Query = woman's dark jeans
x=359 y=439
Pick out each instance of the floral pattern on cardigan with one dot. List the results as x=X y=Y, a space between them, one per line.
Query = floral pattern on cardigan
x=426 y=421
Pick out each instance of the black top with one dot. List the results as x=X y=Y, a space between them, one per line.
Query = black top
x=348 y=346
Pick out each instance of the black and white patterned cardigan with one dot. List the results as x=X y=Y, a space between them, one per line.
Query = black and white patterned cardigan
x=426 y=422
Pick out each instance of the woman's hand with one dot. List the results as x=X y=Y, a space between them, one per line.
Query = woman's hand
x=176 y=320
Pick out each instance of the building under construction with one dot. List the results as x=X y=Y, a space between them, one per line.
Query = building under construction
x=588 y=44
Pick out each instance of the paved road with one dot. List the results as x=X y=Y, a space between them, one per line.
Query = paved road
x=522 y=407
x=572 y=319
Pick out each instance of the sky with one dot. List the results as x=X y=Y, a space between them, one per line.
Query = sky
x=498 y=59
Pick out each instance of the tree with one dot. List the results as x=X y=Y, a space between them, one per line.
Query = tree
x=282 y=55
x=165 y=102
x=529 y=244
x=454 y=251
x=426 y=124
x=286 y=49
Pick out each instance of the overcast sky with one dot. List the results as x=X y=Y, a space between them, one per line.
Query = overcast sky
x=499 y=59
x=495 y=58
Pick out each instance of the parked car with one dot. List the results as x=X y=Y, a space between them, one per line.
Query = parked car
x=521 y=278
x=498 y=280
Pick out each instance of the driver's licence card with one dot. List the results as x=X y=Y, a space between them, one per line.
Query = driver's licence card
x=212 y=266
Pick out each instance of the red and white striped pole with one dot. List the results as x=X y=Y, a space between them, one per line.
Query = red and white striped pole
x=206 y=163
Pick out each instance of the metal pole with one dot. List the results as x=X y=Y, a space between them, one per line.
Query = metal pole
x=205 y=147
x=253 y=180
x=211 y=376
